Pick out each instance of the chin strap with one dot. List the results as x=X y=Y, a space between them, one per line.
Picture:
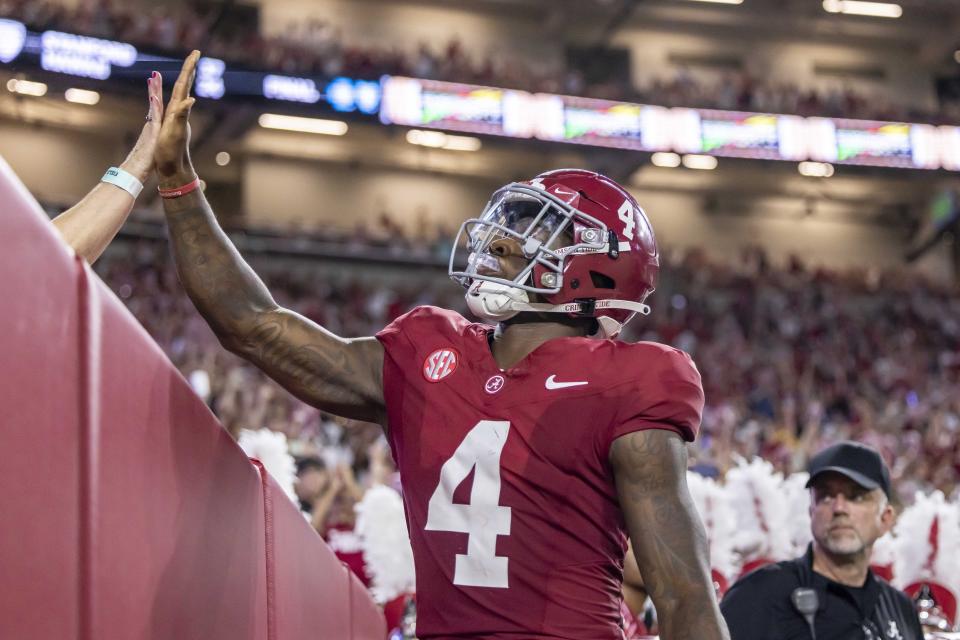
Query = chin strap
x=496 y=302
x=580 y=307
x=606 y=327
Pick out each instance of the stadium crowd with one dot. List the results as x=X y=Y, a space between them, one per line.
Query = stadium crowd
x=317 y=46
x=792 y=358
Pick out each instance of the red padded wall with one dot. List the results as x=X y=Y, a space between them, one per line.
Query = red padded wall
x=367 y=619
x=179 y=524
x=40 y=423
x=314 y=594
x=128 y=512
x=310 y=600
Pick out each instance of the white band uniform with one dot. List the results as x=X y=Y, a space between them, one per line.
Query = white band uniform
x=123 y=179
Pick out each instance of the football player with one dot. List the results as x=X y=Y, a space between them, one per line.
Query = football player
x=527 y=453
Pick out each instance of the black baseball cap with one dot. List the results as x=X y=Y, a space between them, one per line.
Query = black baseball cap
x=857 y=461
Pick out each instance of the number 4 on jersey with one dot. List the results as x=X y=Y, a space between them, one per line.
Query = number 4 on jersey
x=483 y=519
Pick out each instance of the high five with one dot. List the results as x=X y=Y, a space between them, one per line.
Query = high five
x=557 y=438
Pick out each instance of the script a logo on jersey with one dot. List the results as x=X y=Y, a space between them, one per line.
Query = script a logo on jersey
x=440 y=364
x=494 y=384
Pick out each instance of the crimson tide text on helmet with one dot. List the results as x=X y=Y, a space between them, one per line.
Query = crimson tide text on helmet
x=590 y=250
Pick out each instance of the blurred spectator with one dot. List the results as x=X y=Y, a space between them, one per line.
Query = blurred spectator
x=794 y=360
x=312 y=479
x=334 y=518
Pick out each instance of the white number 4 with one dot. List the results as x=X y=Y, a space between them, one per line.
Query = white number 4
x=483 y=519
x=629 y=218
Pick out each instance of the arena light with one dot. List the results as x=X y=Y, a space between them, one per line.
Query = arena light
x=82 y=55
x=702 y=163
x=440 y=140
x=433 y=139
x=368 y=94
x=665 y=159
x=209 y=81
x=340 y=94
x=26 y=87
x=302 y=125
x=13 y=35
x=222 y=159
x=862 y=8
x=81 y=96
x=290 y=89
x=462 y=143
x=815 y=169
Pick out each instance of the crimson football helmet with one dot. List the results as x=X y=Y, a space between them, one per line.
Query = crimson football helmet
x=589 y=248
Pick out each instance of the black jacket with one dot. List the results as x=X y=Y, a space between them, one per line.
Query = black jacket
x=759 y=607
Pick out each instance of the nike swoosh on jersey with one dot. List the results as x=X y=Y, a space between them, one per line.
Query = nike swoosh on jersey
x=553 y=384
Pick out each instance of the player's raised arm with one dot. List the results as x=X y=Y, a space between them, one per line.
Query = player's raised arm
x=90 y=225
x=342 y=376
x=668 y=538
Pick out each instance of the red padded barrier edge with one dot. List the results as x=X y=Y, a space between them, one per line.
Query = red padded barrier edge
x=350 y=608
x=367 y=621
x=270 y=558
x=315 y=597
x=180 y=544
x=39 y=423
x=89 y=344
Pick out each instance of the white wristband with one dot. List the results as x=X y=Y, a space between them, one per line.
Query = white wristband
x=126 y=181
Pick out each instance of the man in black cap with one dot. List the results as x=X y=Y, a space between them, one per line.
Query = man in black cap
x=830 y=593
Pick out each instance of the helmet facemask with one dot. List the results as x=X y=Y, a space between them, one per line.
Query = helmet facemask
x=545 y=232
x=544 y=228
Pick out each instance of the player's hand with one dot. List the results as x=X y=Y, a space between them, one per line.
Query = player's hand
x=173 y=147
x=140 y=160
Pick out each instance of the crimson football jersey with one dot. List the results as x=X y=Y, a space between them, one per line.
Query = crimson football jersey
x=509 y=495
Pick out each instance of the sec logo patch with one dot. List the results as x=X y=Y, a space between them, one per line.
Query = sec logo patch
x=440 y=364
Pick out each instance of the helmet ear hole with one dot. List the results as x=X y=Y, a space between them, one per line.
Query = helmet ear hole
x=601 y=281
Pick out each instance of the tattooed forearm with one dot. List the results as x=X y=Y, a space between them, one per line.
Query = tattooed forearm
x=226 y=291
x=338 y=375
x=342 y=376
x=668 y=538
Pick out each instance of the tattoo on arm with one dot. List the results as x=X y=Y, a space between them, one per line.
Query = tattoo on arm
x=342 y=376
x=224 y=288
x=668 y=538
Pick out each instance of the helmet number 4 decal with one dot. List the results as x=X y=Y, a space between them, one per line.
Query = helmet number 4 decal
x=629 y=218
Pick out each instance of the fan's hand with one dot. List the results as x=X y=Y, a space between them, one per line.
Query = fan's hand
x=140 y=160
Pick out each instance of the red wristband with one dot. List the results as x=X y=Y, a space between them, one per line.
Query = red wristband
x=179 y=191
